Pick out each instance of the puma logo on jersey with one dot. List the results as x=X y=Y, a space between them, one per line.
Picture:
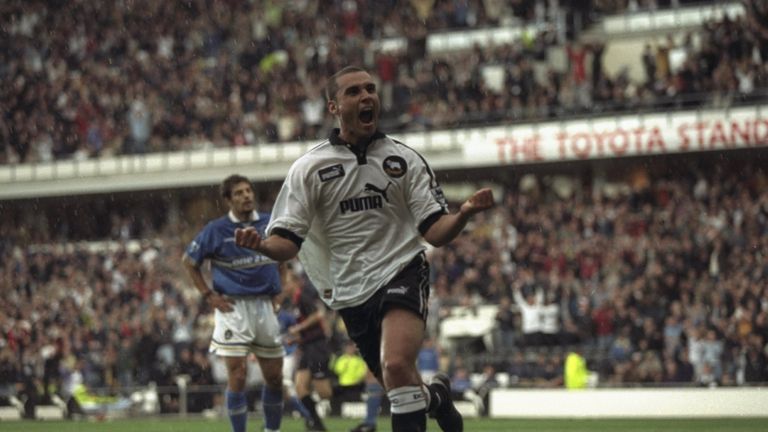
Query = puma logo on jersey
x=353 y=205
x=331 y=172
x=370 y=202
x=373 y=188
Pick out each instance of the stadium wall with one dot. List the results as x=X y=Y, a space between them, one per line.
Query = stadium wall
x=583 y=139
x=627 y=403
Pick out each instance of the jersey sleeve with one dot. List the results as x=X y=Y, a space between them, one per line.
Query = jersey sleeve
x=200 y=248
x=426 y=198
x=292 y=208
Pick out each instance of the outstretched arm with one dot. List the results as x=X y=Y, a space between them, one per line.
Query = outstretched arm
x=449 y=226
x=276 y=247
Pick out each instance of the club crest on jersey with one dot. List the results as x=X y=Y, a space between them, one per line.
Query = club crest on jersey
x=395 y=166
x=331 y=172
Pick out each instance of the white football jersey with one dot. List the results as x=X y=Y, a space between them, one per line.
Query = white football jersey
x=358 y=214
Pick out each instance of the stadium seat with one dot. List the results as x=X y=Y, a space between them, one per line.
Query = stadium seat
x=49 y=412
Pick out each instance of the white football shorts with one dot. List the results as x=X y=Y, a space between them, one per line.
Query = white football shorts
x=251 y=327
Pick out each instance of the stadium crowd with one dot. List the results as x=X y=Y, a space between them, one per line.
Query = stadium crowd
x=661 y=280
x=85 y=79
x=665 y=284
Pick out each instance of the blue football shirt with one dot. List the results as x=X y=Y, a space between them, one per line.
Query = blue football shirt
x=235 y=270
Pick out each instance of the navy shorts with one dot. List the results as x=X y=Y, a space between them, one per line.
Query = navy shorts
x=315 y=356
x=408 y=290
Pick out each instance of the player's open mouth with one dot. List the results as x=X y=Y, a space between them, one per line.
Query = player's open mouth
x=366 y=115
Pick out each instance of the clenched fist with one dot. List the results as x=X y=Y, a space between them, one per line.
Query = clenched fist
x=248 y=238
x=479 y=201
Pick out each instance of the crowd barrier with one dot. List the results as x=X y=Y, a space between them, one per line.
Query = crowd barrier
x=630 y=403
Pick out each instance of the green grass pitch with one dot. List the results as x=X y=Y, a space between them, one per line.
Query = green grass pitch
x=343 y=425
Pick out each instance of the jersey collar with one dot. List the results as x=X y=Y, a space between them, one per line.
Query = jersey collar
x=360 y=149
x=254 y=217
x=336 y=140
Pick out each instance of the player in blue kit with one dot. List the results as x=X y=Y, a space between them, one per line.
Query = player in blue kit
x=244 y=284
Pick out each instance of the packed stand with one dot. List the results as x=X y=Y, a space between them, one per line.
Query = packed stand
x=86 y=79
x=661 y=281
x=110 y=319
x=661 y=285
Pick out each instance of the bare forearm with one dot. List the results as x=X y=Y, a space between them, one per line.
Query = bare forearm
x=449 y=226
x=446 y=229
x=278 y=248
x=196 y=276
x=310 y=321
x=210 y=296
